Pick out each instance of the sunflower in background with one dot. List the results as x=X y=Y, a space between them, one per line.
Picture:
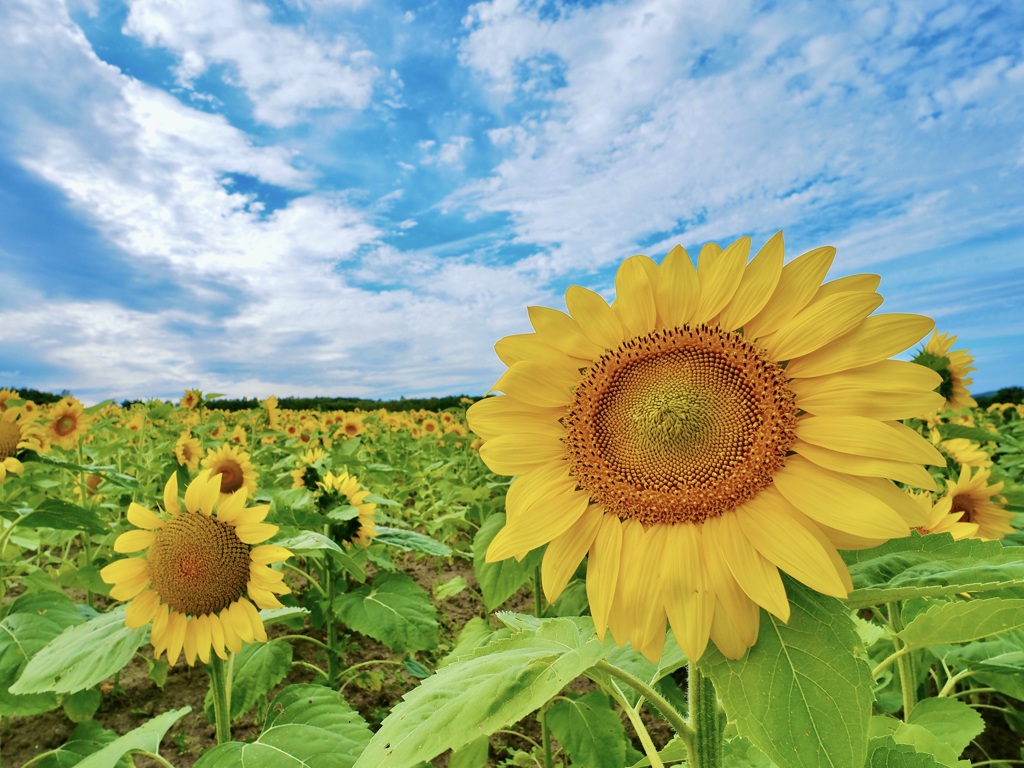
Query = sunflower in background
x=979 y=502
x=345 y=489
x=68 y=423
x=232 y=467
x=187 y=451
x=952 y=365
x=19 y=434
x=191 y=399
x=200 y=580
x=942 y=518
x=709 y=428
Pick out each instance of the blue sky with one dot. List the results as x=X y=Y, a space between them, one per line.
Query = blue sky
x=359 y=197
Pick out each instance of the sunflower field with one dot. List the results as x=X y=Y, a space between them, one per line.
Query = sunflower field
x=712 y=523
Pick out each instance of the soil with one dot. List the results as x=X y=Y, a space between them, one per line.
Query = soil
x=133 y=697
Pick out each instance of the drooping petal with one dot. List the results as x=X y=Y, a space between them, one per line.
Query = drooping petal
x=175 y=635
x=758 y=578
x=203 y=635
x=743 y=613
x=603 y=571
x=142 y=609
x=687 y=593
x=566 y=552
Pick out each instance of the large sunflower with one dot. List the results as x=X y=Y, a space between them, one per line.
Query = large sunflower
x=200 y=582
x=979 y=502
x=68 y=422
x=952 y=365
x=710 y=427
x=231 y=465
x=18 y=435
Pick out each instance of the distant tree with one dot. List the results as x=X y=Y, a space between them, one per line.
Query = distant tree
x=42 y=398
x=1004 y=395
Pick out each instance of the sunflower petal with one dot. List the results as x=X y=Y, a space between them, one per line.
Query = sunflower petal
x=677 y=290
x=563 y=333
x=597 y=320
x=687 y=594
x=863 y=436
x=269 y=553
x=170 y=496
x=537 y=384
x=518 y=454
x=537 y=524
x=133 y=541
x=819 y=324
x=634 y=295
x=143 y=518
x=142 y=609
x=255 y=533
x=565 y=553
x=799 y=281
x=720 y=275
x=760 y=279
x=603 y=571
x=758 y=578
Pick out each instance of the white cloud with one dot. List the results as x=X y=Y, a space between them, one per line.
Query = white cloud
x=284 y=70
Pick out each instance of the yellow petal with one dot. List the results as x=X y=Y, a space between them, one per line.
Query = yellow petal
x=562 y=332
x=622 y=619
x=142 y=609
x=500 y=415
x=603 y=571
x=838 y=501
x=551 y=479
x=537 y=524
x=259 y=632
x=785 y=538
x=634 y=295
x=538 y=384
x=255 y=533
x=175 y=635
x=760 y=278
x=269 y=553
x=866 y=466
x=688 y=597
x=143 y=518
x=677 y=290
x=856 y=393
x=202 y=631
x=518 y=454
x=133 y=541
x=743 y=613
x=799 y=281
x=239 y=621
x=258 y=513
x=725 y=635
x=123 y=570
x=129 y=588
x=195 y=489
x=217 y=636
x=819 y=324
x=758 y=578
x=158 y=632
x=719 y=277
x=189 y=645
x=867 y=283
x=597 y=320
x=876 y=338
x=264 y=598
x=171 y=496
x=565 y=553
x=231 y=507
x=862 y=436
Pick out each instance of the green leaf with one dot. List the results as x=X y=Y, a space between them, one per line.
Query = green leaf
x=55 y=606
x=82 y=656
x=450 y=588
x=313 y=544
x=22 y=636
x=308 y=726
x=589 y=730
x=921 y=739
x=411 y=541
x=884 y=752
x=283 y=615
x=81 y=705
x=626 y=658
x=962 y=622
x=394 y=609
x=87 y=738
x=803 y=693
x=951 y=720
x=146 y=737
x=64 y=516
x=257 y=669
x=976 y=434
x=475 y=634
x=473 y=755
x=475 y=696
x=931 y=566
x=500 y=580
x=975 y=656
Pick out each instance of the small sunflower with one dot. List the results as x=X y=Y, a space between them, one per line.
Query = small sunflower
x=345 y=487
x=231 y=465
x=18 y=435
x=191 y=399
x=200 y=581
x=707 y=429
x=953 y=365
x=941 y=519
x=273 y=413
x=978 y=502
x=7 y=394
x=187 y=451
x=67 y=424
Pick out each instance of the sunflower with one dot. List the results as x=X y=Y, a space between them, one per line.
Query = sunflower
x=7 y=394
x=710 y=427
x=18 y=435
x=978 y=502
x=953 y=365
x=273 y=412
x=200 y=582
x=347 y=488
x=233 y=467
x=187 y=451
x=942 y=519
x=68 y=423
x=191 y=399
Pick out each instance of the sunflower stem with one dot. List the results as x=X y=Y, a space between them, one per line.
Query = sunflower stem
x=538 y=611
x=220 y=691
x=904 y=662
x=677 y=721
x=633 y=714
x=706 y=749
x=333 y=668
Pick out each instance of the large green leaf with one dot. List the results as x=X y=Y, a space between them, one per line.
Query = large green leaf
x=308 y=726
x=884 y=752
x=256 y=670
x=931 y=566
x=589 y=730
x=87 y=738
x=22 y=635
x=82 y=656
x=313 y=544
x=916 y=736
x=146 y=737
x=500 y=580
x=951 y=720
x=393 y=609
x=64 y=516
x=411 y=541
x=475 y=696
x=803 y=693
x=962 y=622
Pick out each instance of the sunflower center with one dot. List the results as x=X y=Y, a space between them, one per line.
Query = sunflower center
x=65 y=425
x=10 y=436
x=962 y=503
x=679 y=425
x=231 y=476
x=198 y=564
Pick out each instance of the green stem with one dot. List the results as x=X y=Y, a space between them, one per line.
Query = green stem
x=333 y=668
x=638 y=725
x=904 y=663
x=677 y=721
x=538 y=611
x=951 y=683
x=152 y=756
x=706 y=750
x=220 y=691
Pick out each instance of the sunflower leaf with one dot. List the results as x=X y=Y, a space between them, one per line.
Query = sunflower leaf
x=257 y=669
x=64 y=516
x=476 y=695
x=393 y=609
x=962 y=622
x=500 y=580
x=307 y=725
x=885 y=752
x=803 y=693
x=82 y=656
x=589 y=730
x=411 y=541
x=146 y=737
